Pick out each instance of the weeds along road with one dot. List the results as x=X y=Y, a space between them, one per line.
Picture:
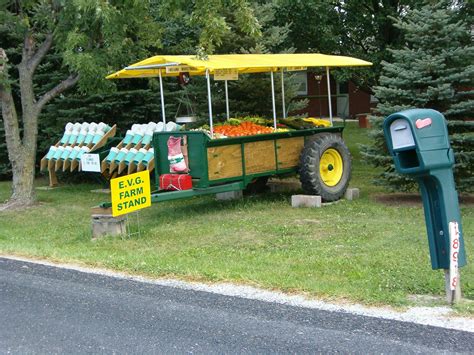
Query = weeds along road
x=45 y=309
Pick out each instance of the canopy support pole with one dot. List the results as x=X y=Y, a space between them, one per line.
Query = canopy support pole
x=283 y=94
x=273 y=102
x=226 y=98
x=329 y=95
x=209 y=101
x=162 y=99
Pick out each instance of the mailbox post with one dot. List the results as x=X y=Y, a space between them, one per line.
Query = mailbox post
x=419 y=144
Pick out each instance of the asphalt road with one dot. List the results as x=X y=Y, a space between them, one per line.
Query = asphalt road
x=46 y=309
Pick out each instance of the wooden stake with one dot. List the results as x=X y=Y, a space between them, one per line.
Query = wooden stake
x=44 y=164
x=131 y=167
x=66 y=164
x=151 y=165
x=112 y=166
x=53 y=179
x=121 y=167
x=58 y=165
x=103 y=166
x=74 y=165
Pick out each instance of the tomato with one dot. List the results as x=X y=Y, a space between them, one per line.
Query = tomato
x=243 y=129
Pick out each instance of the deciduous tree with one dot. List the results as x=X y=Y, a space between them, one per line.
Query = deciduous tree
x=90 y=37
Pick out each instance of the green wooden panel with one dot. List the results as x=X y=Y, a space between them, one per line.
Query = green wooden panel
x=278 y=135
x=197 y=154
x=198 y=144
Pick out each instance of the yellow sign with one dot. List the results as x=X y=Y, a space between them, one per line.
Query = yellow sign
x=296 y=68
x=226 y=74
x=130 y=193
x=179 y=69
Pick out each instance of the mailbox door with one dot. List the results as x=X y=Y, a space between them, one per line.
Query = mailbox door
x=401 y=134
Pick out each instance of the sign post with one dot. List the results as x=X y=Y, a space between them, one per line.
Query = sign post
x=130 y=193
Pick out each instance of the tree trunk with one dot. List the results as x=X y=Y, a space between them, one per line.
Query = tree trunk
x=21 y=155
x=22 y=160
x=23 y=170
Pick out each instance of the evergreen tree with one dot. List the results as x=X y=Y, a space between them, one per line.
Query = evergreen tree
x=435 y=69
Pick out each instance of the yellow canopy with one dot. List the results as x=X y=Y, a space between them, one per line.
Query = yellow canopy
x=171 y=65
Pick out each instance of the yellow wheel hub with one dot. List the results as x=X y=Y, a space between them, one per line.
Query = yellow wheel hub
x=331 y=167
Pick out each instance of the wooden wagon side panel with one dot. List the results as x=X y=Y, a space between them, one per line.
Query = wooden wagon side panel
x=260 y=157
x=224 y=161
x=289 y=151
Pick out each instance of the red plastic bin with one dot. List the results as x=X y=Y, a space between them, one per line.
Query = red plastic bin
x=176 y=182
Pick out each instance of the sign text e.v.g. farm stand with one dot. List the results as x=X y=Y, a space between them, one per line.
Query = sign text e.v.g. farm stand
x=130 y=193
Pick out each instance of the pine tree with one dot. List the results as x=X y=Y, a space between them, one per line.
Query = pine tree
x=435 y=69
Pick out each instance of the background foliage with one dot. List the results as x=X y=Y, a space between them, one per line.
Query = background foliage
x=434 y=69
x=371 y=30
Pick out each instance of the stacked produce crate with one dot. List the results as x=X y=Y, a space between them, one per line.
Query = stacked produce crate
x=135 y=152
x=78 y=138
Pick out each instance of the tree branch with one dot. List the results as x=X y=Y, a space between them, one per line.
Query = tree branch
x=28 y=47
x=58 y=89
x=40 y=53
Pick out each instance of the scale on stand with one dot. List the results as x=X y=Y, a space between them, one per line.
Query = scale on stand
x=189 y=116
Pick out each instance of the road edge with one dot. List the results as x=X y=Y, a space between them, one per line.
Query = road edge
x=432 y=316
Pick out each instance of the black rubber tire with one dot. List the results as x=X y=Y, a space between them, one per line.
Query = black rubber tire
x=310 y=178
x=259 y=185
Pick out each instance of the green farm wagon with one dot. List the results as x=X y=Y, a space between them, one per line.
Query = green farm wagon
x=216 y=165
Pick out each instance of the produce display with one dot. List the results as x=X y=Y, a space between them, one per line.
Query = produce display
x=241 y=152
x=78 y=139
x=245 y=152
x=249 y=126
x=243 y=129
x=134 y=152
x=318 y=122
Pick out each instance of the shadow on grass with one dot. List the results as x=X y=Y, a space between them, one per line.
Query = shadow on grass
x=204 y=205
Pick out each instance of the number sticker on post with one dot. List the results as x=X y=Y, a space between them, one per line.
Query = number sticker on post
x=90 y=162
x=453 y=254
x=130 y=193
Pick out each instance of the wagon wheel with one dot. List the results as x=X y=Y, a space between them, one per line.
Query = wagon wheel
x=325 y=167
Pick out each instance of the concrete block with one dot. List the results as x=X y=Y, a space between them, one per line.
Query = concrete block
x=105 y=224
x=352 y=194
x=284 y=186
x=230 y=195
x=305 y=201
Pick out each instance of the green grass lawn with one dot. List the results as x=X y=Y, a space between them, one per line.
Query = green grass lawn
x=363 y=250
